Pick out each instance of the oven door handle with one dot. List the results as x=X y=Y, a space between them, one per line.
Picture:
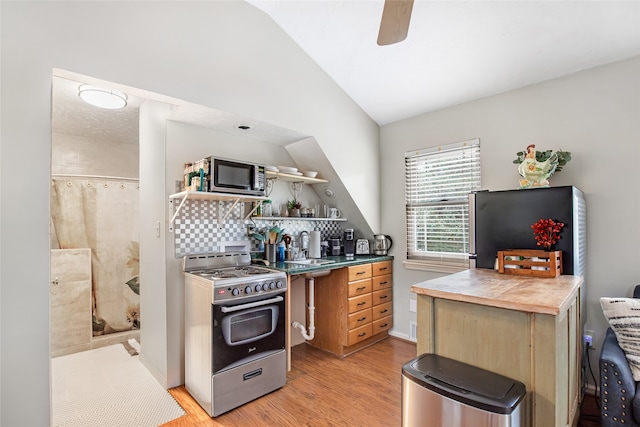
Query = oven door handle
x=250 y=305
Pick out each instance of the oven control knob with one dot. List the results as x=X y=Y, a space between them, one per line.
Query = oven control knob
x=258 y=288
x=265 y=287
x=248 y=290
x=235 y=292
x=272 y=285
x=279 y=284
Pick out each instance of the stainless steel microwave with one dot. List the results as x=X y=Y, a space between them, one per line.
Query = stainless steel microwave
x=236 y=176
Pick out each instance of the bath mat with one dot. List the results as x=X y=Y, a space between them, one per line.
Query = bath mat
x=108 y=387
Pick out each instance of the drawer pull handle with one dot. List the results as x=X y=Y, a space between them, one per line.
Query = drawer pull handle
x=382 y=326
x=361 y=288
x=384 y=296
x=361 y=319
x=362 y=303
x=383 y=268
x=361 y=272
x=384 y=311
x=383 y=283
x=362 y=334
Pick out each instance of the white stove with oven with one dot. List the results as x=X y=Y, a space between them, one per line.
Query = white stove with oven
x=234 y=330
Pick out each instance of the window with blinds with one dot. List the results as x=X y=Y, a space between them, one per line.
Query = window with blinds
x=438 y=182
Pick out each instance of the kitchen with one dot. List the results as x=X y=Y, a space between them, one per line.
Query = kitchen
x=247 y=339
x=600 y=102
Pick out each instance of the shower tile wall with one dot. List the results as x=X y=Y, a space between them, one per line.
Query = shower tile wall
x=78 y=155
x=196 y=227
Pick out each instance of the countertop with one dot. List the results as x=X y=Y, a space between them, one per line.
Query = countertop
x=340 y=261
x=490 y=288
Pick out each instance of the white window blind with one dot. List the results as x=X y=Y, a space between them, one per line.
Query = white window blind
x=438 y=182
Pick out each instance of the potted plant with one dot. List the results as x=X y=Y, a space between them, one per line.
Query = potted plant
x=294 y=207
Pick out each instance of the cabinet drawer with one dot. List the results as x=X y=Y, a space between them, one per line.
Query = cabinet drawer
x=382 y=310
x=359 y=287
x=382 y=267
x=358 y=272
x=380 y=297
x=382 y=324
x=381 y=282
x=359 y=318
x=359 y=334
x=359 y=303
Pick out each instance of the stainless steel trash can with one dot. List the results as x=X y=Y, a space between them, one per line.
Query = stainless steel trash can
x=438 y=391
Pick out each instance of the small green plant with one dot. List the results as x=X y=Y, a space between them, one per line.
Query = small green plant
x=293 y=204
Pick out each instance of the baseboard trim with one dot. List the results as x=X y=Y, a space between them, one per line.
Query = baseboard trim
x=403 y=337
x=153 y=371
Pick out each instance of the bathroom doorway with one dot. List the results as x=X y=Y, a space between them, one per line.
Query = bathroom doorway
x=95 y=288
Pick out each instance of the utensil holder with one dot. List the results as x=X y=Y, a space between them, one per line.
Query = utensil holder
x=270 y=251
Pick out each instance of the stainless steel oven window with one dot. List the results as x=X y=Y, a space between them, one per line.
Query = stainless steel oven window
x=250 y=325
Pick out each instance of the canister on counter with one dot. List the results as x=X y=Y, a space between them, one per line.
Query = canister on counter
x=280 y=254
x=266 y=208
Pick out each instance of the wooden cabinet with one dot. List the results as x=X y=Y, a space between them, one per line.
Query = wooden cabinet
x=525 y=328
x=353 y=307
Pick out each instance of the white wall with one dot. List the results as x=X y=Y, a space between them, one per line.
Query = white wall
x=226 y=55
x=154 y=295
x=593 y=114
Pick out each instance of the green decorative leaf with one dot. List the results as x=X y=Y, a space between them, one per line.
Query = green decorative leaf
x=563 y=157
x=258 y=236
x=134 y=284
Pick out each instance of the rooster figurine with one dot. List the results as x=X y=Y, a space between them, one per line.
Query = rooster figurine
x=534 y=172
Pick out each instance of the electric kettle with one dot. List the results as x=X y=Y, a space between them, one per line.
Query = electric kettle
x=381 y=244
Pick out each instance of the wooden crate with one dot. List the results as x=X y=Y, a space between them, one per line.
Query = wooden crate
x=525 y=265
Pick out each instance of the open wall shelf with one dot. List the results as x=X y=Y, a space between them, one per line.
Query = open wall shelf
x=203 y=195
x=295 y=178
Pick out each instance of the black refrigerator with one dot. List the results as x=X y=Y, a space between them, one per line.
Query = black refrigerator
x=500 y=220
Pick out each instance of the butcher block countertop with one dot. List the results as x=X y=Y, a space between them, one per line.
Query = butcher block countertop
x=490 y=288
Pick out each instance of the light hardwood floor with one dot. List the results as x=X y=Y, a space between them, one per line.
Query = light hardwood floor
x=322 y=390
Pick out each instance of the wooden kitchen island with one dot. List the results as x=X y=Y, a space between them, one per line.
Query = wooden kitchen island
x=526 y=328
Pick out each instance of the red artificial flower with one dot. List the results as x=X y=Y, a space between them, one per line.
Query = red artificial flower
x=547 y=232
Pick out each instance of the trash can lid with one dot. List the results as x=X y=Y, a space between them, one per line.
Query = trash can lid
x=465 y=383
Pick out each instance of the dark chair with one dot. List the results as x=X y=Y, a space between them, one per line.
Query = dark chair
x=619 y=393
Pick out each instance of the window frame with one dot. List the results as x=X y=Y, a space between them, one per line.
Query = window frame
x=445 y=262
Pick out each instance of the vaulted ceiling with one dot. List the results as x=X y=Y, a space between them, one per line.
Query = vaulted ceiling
x=455 y=51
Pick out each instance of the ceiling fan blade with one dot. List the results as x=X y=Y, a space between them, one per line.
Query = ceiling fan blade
x=394 y=25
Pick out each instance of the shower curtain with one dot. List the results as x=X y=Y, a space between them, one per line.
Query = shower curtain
x=102 y=214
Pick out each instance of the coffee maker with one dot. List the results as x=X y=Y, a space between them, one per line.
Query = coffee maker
x=349 y=243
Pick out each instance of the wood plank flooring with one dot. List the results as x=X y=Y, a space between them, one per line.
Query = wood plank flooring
x=322 y=390
x=589 y=412
x=363 y=389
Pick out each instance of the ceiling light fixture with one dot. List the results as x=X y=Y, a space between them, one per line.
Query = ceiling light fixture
x=102 y=98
